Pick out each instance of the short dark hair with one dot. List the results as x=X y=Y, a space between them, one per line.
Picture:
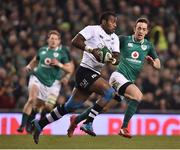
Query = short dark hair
x=144 y=20
x=106 y=15
x=54 y=32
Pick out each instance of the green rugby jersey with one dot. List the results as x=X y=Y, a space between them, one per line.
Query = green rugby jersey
x=46 y=73
x=132 y=56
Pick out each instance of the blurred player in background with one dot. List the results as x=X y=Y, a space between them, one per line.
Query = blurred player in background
x=88 y=78
x=45 y=81
x=135 y=49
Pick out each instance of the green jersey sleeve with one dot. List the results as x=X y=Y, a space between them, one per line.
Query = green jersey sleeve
x=152 y=51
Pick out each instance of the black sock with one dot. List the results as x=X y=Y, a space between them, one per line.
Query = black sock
x=32 y=116
x=54 y=115
x=24 y=119
x=93 y=113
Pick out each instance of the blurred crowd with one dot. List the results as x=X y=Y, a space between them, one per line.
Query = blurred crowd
x=24 y=25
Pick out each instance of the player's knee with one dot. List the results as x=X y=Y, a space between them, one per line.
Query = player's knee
x=109 y=94
x=138 y=96
x=31 y=101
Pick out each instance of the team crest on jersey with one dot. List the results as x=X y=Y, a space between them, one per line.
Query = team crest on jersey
x=135 y=54
x=144 y=47
x=56 y=54
x=130 y=44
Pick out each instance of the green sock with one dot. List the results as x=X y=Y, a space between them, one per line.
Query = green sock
x=24 y=119
x=131 y=110
x=83 y=115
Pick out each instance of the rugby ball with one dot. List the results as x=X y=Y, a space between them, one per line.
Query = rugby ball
x=105 y=54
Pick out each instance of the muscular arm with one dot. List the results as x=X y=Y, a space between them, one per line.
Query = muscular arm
x=154 y=62
x=78 y=42
x=33 y=63
x=68 y=68
x=65 y=79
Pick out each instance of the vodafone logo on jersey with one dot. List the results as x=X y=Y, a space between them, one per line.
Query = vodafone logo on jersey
x=135 y=54
x=47 y=61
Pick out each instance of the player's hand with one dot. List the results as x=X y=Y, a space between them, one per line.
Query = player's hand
x=97 y=54
x=111 y=60
x=27 y=69
x=150 y=59
x=54 y=62
x=64 y=81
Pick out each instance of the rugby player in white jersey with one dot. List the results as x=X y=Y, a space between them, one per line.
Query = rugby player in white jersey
x=88 y=78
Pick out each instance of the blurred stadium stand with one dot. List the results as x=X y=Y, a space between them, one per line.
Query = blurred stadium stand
x=25 y=23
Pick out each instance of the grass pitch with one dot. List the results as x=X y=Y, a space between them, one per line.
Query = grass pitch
x=87 y=142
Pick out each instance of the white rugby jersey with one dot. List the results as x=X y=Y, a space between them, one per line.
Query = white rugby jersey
x=96 y=37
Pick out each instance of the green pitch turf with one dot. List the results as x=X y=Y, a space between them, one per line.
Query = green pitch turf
x=87 y=142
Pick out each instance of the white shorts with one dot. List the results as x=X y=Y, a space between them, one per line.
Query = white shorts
x=47 y=94
x=117 y=80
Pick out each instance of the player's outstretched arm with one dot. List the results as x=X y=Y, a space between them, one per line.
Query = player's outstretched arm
x=67 y=67
x=79 y=42
x=154 y=62
x=157 y=63
x=32 y=64
x=69 y=74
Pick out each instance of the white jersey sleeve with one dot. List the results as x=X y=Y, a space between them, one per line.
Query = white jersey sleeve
x=87 y=32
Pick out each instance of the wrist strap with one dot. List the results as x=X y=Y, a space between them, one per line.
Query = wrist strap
x=88 y=48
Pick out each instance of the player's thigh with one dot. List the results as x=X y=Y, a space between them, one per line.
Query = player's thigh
x=85 y=78
x=80 y=95
x=100 y=86
x=124 y=87
x=38 y=104
x=33 y=88
x=133 y=92
x=119 y=82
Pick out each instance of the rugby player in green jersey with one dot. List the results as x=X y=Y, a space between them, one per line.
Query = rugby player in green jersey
x=134 y=50
x=45 y=81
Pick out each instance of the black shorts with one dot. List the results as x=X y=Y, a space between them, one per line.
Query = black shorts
x=85 y=77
